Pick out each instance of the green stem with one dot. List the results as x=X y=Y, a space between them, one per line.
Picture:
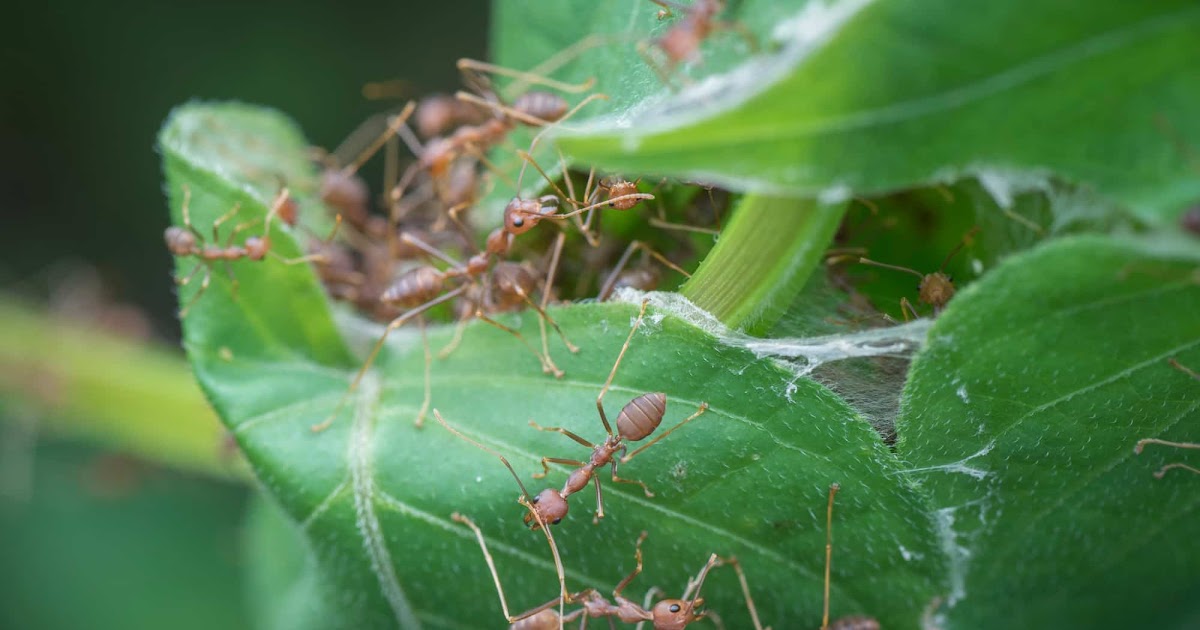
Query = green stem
x=126 y=395
x=765 y=255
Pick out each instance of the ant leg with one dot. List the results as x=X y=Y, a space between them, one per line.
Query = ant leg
x=607 y=288
x=472 y=70
x=199 y=292
x=1142 y=443
x=699 y=410
x=1158 y=474
x=225 y=217
x=741 y=575
x=393 y=127
x=682 y=227
x=637 y=554
x=191 y=274
x=487 y=556
x=1183 y=368
x=694 y=585
x=555 y=460
x=608 y=383
x=833 y=488
x=420 y=421
x=608 y=202
x=457 y=338
x=548 y=365
x=546 y=289
x=907 y=308
x=558 y=60
x=233 y=281
x=544 y=317
x=187 y=219
x=617 y=479
x=643 y=50
x=394 y=324
x=563 y=431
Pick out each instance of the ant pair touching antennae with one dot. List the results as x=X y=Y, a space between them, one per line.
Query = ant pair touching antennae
x=187 y=241
x=667 y=614
x=1141 y=444
x=636 y=421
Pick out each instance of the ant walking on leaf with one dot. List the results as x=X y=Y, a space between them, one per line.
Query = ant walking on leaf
x=636 y=421
x=187 y=241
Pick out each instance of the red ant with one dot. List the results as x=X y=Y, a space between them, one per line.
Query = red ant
x=187 y=241
x=1158 y=474
x=421 y=288
x=936 y=289
x=637 y=420
x=344 y=190
x=681 y=43
x=667 y=614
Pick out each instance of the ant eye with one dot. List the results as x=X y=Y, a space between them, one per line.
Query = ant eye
x=674 y=607
x=537 y=498
x=556 y=521
x=518 y=221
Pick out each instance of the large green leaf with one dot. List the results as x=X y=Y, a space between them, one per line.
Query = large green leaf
x=372 y=495
x=862 y=97
x=1020 y=419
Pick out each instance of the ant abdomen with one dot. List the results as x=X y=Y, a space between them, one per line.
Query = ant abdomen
x=544 y=620
x=855 y=623
x=542 y=105
x=641 y=416
x=180 y=242
x=414 y=287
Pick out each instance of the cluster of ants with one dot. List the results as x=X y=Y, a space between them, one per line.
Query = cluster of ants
x=396 y=265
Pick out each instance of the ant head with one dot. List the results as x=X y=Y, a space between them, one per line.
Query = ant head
x=672 y=614
x=550 y=506
x=936 y=289
x=621 y=188
x=180 y=241
x=520 y=215
x=256 y=247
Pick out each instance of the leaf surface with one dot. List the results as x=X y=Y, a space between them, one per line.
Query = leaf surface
x=1020 y=419
x=859 y=97
x=372 y=495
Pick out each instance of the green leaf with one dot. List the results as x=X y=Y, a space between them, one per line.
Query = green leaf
x=373 y=494
x=857 y=97
x=1020 y=419
x=106 y=542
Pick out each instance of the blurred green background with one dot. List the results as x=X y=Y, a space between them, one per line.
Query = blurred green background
x=93 y=539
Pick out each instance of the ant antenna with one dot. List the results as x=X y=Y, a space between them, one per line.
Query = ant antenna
x=526 y=501
x=393 y=127
x=957 y=248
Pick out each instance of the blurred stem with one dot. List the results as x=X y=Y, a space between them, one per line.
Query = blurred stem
x=130 y=396
x=763 y=258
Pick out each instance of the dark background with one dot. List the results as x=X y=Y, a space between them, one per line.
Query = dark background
x=88 y=84
x=101 y=541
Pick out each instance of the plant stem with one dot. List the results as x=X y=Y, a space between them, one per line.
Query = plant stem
x=763 y=258
x=127 y=395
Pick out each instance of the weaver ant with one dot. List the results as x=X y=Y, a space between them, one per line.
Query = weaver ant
x=681 y=43
x=187 y=241
x=935 y=288
x=667 y=614
x=1158 y=474
x=637 y=420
